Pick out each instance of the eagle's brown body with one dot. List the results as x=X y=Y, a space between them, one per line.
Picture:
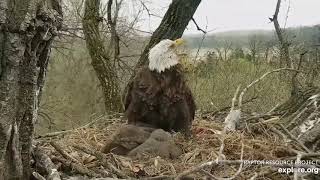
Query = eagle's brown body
x=160 y=100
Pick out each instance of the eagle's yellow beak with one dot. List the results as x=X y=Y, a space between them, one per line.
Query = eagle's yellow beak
x=179 y=42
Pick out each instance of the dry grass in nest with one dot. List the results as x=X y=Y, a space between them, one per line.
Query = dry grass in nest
x=202 y=147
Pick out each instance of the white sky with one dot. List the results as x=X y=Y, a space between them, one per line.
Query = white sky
x=225 y=15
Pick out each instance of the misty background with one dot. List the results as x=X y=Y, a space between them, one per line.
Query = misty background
x=240 y=43
x=228 y=15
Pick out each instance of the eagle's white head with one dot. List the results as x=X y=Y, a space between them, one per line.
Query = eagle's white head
x=164 y=55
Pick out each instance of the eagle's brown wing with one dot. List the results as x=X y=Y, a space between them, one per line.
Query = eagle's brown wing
x=133 y=87
x=141 y=98
x=190 y=101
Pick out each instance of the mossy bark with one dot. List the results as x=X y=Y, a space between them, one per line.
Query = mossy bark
x=27 y=30
x=101 y=61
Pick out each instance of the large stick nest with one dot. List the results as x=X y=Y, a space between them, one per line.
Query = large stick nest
x=259 y=143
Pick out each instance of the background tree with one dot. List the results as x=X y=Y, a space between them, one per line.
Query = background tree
x=66 y=103
x=27 y=31
x=254 y=48
x=102 y=61
x=301 y=92
x=284 y=44
x=237 y=53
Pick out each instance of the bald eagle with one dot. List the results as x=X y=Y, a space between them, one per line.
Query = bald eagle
x=158 y=96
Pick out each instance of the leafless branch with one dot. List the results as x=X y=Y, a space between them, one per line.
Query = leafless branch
x=198 y=27
x=201 y=44
x=112 y=22
x=287 y=14
x=284 y=44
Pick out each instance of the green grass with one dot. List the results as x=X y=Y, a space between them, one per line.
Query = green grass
x=214 y=85
x=72 y=94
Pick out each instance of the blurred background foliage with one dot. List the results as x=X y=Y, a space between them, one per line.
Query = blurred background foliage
x=215 y=65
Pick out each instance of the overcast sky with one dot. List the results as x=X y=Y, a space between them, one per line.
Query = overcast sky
x=225 y=15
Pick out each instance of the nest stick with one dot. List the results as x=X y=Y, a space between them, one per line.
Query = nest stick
x=102 y=158
x=295 y=139
x=296 y=173
x=38 y=176
x=58 y=133
x=235 y=98
x=71 y=162
x=240 y=167
x=62 y=152
x=44 y=161
x=79 y=168
x=200 y=168
x=254 y=176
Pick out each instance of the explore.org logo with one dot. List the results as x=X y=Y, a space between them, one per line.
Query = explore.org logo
x=289 y=166
x=299 y=170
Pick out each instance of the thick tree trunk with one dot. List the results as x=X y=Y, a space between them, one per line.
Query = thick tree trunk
x=27 y=31
x=101 y=61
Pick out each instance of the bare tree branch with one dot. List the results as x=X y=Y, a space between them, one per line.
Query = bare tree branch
x=284 y=56
x=198 y=27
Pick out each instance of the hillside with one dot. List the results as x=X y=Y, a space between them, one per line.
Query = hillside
x=306 y=34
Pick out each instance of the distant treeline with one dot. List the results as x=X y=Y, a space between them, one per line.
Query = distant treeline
x=306 y=35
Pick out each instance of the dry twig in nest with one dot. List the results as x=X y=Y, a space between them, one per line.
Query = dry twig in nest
x=291 y=136
x=296 y=173
x=63 y=153
x=200 y=168
x=79 y=168
x=44 y=162
x=71 y=162
x=59 y=133
x=103 y=159
x=38 y=176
